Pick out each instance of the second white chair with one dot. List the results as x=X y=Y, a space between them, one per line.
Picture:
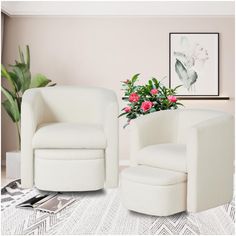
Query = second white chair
x=182 y=160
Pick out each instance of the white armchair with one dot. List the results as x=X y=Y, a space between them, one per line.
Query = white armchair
x=198 y=143
x=69 y=138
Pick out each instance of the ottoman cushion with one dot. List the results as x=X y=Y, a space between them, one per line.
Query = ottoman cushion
x=153 y=175
x=153 y=191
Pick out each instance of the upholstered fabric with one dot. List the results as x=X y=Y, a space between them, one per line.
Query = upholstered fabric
x=153 y=191
x=210 y=157
x=150 y=130
x=69 y=135
x=188 y=118
x=69 y=175
x=153 y=176
x=167 y=156
x=209 y=139
x=69 y=117
x=69 y=154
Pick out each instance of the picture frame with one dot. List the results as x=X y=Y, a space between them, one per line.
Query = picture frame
x=194 y=63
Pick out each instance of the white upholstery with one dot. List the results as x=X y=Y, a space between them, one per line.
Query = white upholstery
x=153 y=191
x=66 y=117
x=71 y=154
x=69 y=135
x=167 y=156
x=69 y=175
x=153 y=176
x=209 y=139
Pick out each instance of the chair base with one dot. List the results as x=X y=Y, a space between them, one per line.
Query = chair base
x=153 y=199
x=69 y=174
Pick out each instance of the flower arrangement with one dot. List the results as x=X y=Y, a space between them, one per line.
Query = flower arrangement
x=148 y=98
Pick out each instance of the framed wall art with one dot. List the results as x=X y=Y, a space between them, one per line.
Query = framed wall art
x=194 y=63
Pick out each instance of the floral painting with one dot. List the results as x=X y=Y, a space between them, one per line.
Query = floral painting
x=194 y=63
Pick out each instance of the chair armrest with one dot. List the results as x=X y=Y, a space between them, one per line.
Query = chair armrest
x=210 y=159
x=154 y=128
x=110 y=126
x=31 y=115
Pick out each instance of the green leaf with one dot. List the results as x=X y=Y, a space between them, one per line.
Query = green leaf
x=180 y=104
x=156 y=83
x=131 y=115
x=150 y=84
x=11 y=105
x=28 y=56
x=6 y=75
x=21 y=55
x=11 y=111
x=152 y=110
x=39 y=80
x=11 y=93
x=16 y=81
x=122 y=114
x=23 y=74
x=174 y=89
x=134 y=78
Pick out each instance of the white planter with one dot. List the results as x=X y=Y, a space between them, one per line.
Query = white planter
x=13 y=165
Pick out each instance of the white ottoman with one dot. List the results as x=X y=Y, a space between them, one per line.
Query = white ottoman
x=153 y=191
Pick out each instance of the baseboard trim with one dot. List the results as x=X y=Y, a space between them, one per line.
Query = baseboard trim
x=124 y=162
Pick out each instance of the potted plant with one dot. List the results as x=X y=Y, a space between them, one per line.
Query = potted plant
x=18 y=80
x=147 y=98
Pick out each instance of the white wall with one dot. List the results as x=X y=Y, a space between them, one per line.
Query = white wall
x=102 y=51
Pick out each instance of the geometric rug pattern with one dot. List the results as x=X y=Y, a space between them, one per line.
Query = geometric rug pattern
x=102 y=212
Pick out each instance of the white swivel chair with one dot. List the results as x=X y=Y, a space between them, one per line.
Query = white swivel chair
x=69 y=138
x=182 y=160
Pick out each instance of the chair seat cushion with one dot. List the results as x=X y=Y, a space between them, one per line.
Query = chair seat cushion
x=168 y=156
x=69 y=135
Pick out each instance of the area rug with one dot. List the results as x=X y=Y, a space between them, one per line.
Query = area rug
x=102 y=212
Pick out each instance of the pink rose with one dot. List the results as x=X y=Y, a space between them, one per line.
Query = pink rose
x=127 y=81
x=146 y=106
x=154 y=91
x=127 y=109
x=133 y=97
x=172 y=98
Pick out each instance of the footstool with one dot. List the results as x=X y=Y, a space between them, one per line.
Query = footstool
x=153 y=191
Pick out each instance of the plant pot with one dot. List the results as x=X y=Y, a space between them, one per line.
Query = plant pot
x=13 y=165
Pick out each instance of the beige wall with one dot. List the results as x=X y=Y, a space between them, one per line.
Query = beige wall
x=102 y=51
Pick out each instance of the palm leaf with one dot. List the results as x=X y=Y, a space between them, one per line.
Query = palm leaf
x=16 y=81
x=23 y=74
x=39 y=80
x=28 y=56
x=21 y=55
x=11 y=105
x=6 y=75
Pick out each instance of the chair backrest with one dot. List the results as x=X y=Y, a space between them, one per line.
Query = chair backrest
x=75 y=104
x=190 y=117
